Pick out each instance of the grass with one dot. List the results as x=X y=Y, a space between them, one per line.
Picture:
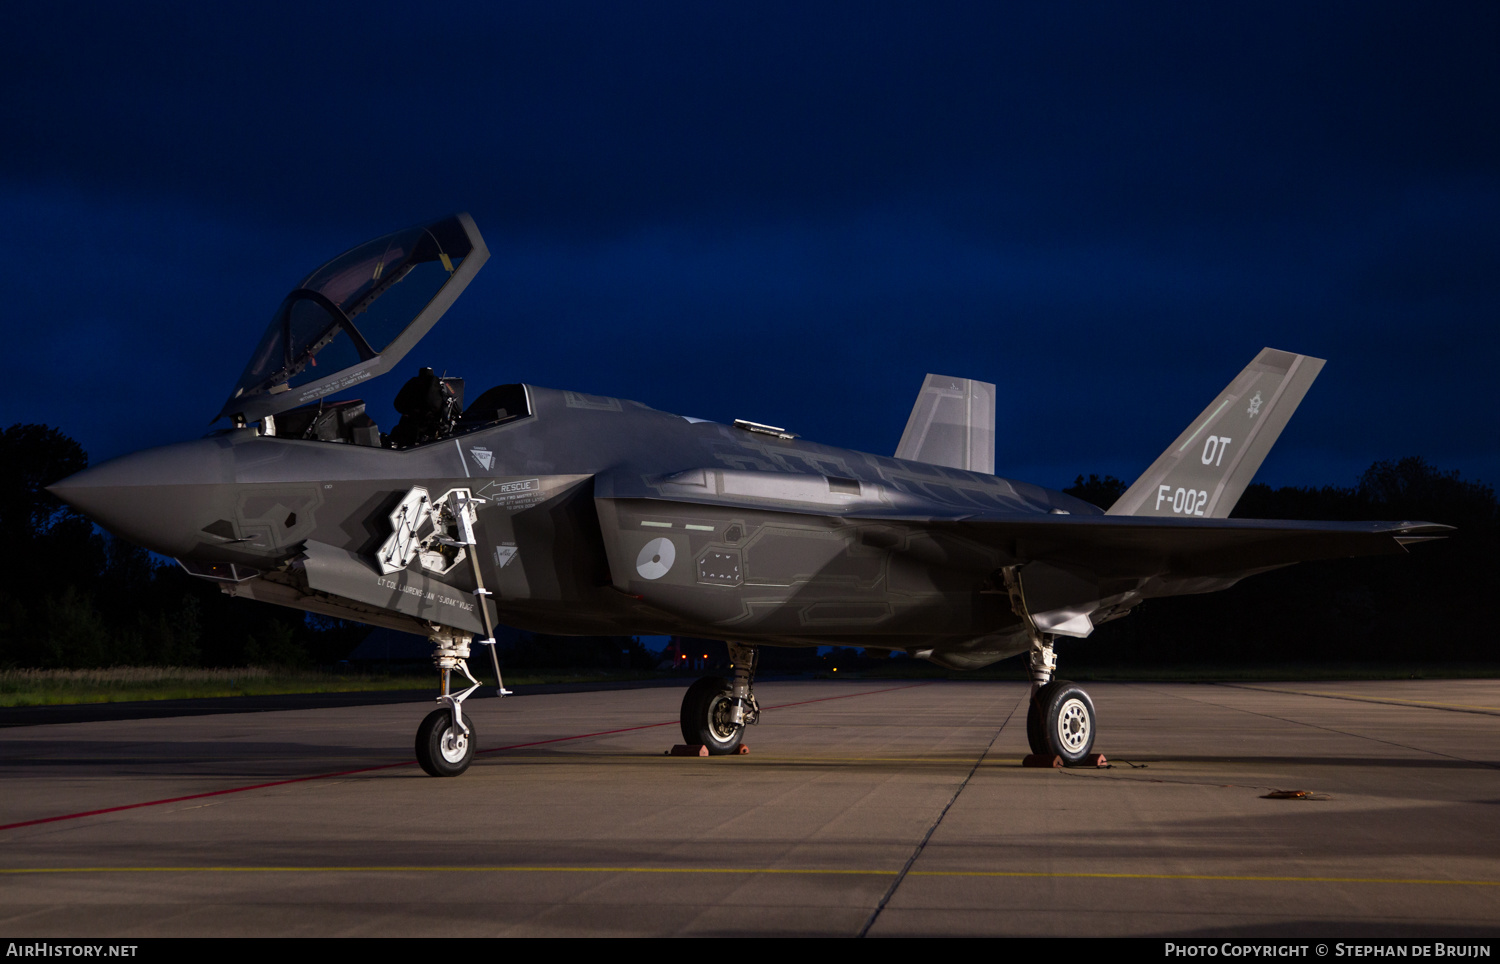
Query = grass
x=1182 y=673
x=124 y=684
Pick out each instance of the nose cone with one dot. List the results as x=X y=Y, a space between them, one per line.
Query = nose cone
x=159 y=498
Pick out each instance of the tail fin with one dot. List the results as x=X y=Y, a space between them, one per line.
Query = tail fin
x=952 y=424
x=1205 y=471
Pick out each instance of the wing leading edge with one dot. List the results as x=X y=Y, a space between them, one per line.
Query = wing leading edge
x=1144 y=548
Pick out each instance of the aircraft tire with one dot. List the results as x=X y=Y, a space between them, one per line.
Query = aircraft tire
x=1065 y=723
x=1036 y=736
x=442 y=750
x=705 y=709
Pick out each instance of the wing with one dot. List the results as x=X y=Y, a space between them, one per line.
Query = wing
x=1137 y=547
x=1073 y=573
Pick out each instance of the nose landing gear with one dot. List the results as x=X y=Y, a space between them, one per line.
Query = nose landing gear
x=445 y=740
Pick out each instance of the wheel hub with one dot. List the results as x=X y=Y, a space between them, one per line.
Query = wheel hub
x=455 y=744
x=719 y=724
x=1073 y=725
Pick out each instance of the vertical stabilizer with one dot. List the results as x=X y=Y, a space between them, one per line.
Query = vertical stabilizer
x=1204 y=472
x=952 y=424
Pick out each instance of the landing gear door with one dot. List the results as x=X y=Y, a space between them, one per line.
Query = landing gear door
x=357 y=316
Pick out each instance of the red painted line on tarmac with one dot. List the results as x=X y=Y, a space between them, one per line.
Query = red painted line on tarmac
x=649 y=726
x=564 y=739
x=390 y=766
x=199 y=796
x=825 y=699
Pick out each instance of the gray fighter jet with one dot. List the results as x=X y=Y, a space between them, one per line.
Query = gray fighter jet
x=564 y=512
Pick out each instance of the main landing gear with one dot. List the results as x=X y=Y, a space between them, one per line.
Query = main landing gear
x=715 y=711
x=1060 y=717
x=1060 y=720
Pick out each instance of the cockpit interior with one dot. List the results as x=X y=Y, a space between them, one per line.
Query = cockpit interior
x=431 y=409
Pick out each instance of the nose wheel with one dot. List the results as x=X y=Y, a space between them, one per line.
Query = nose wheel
x=445 y=748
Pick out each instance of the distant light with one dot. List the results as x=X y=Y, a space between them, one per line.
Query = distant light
x=705 y=656
x=835 y=669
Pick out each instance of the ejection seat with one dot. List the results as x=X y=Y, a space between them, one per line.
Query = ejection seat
x=429 y=407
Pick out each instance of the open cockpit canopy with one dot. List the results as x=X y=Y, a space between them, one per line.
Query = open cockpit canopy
x=357 y=316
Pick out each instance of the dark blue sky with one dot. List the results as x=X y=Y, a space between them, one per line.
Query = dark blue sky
x=783 y=213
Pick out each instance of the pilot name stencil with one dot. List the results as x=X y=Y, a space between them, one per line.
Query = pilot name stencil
x=420 y=593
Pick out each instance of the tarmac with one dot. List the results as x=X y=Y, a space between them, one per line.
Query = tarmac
x=863 y=808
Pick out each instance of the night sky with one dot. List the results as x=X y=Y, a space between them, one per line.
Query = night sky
x=786 y=213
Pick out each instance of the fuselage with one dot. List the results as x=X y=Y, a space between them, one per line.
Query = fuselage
x=600 y=515
x=574 y=513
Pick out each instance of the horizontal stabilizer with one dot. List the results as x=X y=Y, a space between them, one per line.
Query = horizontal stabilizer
x=1204 y=473
x=952 y=424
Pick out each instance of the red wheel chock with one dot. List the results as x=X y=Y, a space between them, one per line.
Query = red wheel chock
x=698 y=749
x=1038 y=760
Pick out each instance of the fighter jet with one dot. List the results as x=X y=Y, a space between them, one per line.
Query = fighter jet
x=570 y=513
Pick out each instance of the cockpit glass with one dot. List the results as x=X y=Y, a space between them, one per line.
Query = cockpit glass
x=302 y=328
x=383 y=284
x=381 y=321
x=355 y=274
x=338 y=353
x=355 y=307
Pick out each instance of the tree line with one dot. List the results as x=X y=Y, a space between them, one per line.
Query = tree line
x=73 y=597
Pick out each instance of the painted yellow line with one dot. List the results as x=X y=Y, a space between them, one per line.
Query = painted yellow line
x=1251 y=878
x=942 y=760
x=1397 y=699
x=749 y=871
x=754 y=758
x=1365 y=697
x=441 y=869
